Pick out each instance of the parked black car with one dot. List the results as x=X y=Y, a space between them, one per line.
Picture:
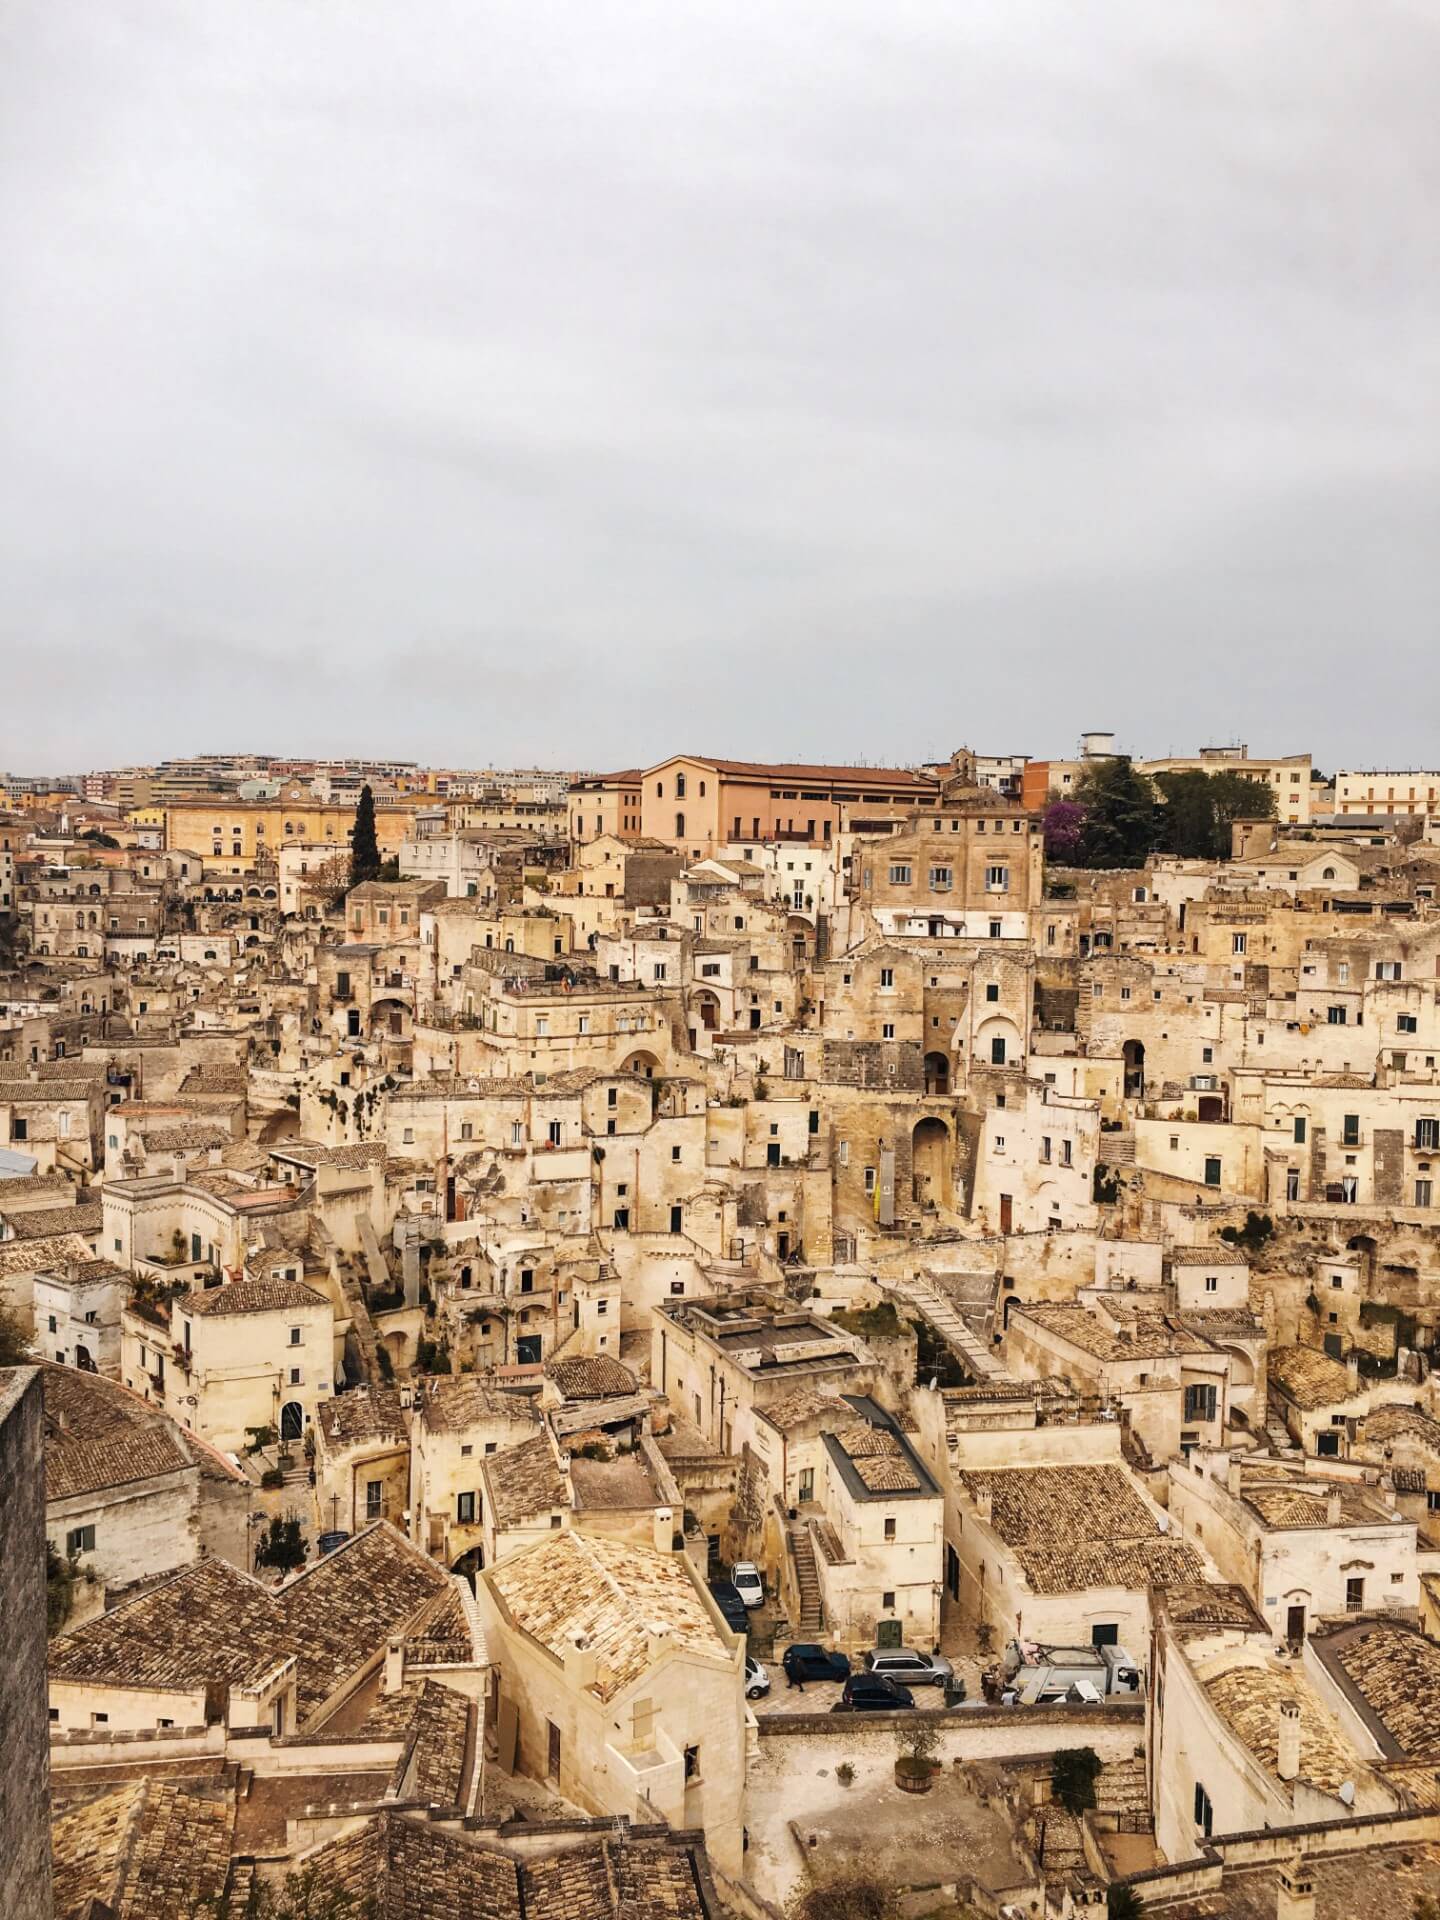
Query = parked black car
x=726 y=1596
x=807 y=1661
x=873 y=1693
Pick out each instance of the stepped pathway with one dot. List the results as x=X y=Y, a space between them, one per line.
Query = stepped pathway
x=807 y=1580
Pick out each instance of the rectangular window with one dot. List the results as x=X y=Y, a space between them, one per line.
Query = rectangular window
x=1299 y=1130
x=889 y=1529
x=374 y=1490
x=1350 y=1130
x=899 y=876
x=1212 y=1170
x=941 y=879
x=997 y=879
x=465 y=1509
x=1355 y=1595
x=80 y=1540
x=1204 y=1812
x=1200 y=1403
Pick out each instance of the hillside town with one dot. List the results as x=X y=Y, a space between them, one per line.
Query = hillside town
x=706 y=1339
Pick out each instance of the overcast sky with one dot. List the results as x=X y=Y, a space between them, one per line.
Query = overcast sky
x=577 y=383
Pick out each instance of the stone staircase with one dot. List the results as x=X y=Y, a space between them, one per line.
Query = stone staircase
x=932 y=1305
x=807 y=1581
x=1116 y=1150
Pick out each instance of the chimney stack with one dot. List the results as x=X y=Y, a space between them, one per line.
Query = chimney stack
x=984 y=1504
x=1332 y=1507
x=1287 y=1759
x=1294 y=1891
x=394 y=1678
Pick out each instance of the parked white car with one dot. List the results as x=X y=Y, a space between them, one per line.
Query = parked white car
x=757 y=1680
x=748 y=1584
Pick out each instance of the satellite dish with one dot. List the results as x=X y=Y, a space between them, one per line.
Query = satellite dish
x=1164 y=1523
x=473 y=1086
x=1347 y=1792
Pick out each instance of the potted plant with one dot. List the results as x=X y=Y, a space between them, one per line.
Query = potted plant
x=917 y=1741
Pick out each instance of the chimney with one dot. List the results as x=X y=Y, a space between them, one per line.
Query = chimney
x=1234 y=1475
x=1352 y=1372
x=657 y=1640
x=665 y=1529
x=394 y=1667
x=1294 y=1891
x=1287 y=1757
x=1332 y=1507
x=581 y=1663
x=984 y=1504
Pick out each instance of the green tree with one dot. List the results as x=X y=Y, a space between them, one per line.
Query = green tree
x=1119 y=805
x=61 y=1572
x=282 y=1547
x=14 y=1341
x=364 y=847
x=1200 y=808
x=1073 y=1771
x=1123 y=1903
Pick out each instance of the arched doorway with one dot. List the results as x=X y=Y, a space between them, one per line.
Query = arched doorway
x=469 y=1564
x=1134 y=1069
x=645 y=1063
x=707 y=1005
x=292 y=1420
x=937 y=1073
x=930 y=1163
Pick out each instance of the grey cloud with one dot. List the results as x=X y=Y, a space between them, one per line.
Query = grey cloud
x=539 y=381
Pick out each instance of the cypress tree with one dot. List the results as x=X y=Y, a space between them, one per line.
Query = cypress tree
x=364 y=847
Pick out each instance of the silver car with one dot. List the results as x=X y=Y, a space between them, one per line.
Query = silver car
x=910 y=1668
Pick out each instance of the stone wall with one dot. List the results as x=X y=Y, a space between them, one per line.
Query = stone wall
x=24 y=1718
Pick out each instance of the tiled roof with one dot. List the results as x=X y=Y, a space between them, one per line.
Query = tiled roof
x=433 y=1721
x=1402 y=1423
x=98 y=1435
x=207 y=1625
x=364 y=1413
x=344 y=1608
x=1137 y=1336
x=453 y=1403
x=1208 y=1603
x=1309 y=1377
x=793 y=1409
x=41 y=1256
x=43 y=1222
x=1208 y=1257
x=524 y=1480
x=1085 y=1526
x=267 y=1295
x=1249 y=1697
x=1395 y=1673
x=609 y=1593
x=413 y=1871
x=29 y=1185
x=1284 y=1498
x=149 y=1850
x=879 y=1459
x=591 y=1376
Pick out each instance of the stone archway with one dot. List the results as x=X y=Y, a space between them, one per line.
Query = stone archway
x=1134 y=1055
x=937 y=1073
